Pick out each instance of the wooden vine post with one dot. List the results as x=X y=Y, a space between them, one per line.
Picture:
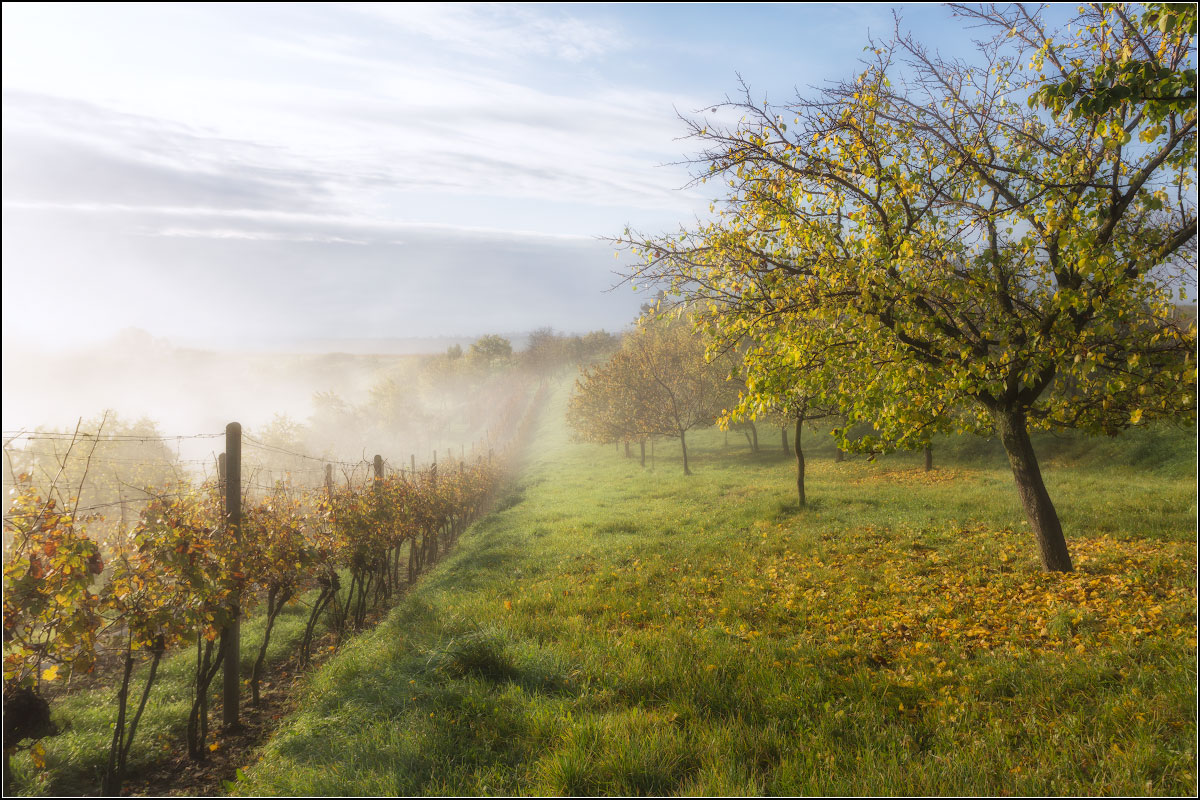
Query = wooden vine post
x=231 y=637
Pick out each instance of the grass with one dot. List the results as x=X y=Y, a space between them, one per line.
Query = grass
x=615 y=630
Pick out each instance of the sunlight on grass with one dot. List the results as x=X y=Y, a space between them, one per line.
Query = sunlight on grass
x=616 y=630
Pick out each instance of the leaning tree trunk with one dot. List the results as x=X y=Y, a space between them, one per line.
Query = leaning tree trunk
x=1039 y=509
x=754 y=440
x=928 y=458
x=799 y=460
x=683 y=442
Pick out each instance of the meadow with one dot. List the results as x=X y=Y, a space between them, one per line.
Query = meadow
x=613 y=629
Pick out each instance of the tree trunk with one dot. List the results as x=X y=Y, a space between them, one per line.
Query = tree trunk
x=754 y=440
x=786 y=448
x=683 y=442
x=642 y=443
x=839 y=456
x=928 y=458
x=1034 y=497
x=799 y=460
x=627 y=453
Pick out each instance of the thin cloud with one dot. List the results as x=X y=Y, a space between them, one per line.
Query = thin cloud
x=500 y=30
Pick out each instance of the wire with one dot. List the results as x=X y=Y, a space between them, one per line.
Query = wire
x=272 y=448
x=113 y=437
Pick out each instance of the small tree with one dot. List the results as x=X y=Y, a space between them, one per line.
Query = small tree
x=657 y=384
x=671 y=362
x=490 y=351
x=615 y=403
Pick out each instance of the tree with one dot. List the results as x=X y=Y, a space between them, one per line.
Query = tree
x=614 y=403
x=658 y=384
x=107 y=465
x=1020 y=270
x=673 y=362
x=545 y=351
x=490 y=351
x=780 y=387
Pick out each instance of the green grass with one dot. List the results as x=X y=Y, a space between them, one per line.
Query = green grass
x=615 y=630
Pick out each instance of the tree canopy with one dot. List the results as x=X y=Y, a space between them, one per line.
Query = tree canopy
x=658 y=384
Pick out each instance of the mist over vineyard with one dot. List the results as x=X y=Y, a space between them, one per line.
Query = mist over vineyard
x=160 y=411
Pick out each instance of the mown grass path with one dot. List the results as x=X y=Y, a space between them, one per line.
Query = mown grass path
x=614 y=630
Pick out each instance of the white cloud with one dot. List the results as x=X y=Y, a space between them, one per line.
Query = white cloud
x=496 y=30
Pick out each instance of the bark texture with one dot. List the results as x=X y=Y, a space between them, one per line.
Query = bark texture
x=1014 y=434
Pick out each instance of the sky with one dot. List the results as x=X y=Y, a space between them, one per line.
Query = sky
x=228 y=175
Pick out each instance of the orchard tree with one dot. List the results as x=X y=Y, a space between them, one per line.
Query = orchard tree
x=490 y=351
x=780 y=387
x=545 y=351
x=673 y=363
x=658 y=384
x=615 y=402
x=1019 y=267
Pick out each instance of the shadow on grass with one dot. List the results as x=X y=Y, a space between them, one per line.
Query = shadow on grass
x=490 y=556
x=490 y=655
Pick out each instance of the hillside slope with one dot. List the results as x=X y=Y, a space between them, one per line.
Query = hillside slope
x=618 y=630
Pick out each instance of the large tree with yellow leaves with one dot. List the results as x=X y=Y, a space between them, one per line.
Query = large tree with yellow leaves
x=955 y=252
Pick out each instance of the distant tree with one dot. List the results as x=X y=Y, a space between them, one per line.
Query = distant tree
x=658 y=384
x=336 y=426
x=615 y=403
x=109 y=468
x=287 y=443
x=545 y=351
x=490 y=352
x=597 y=345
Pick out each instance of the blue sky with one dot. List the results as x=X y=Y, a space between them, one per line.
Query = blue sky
x=219 y=173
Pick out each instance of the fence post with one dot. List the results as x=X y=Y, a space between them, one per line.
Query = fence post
x=124 y=525
x=329 y=481
x=378 y=469
x=231 y=636
x=412 y=457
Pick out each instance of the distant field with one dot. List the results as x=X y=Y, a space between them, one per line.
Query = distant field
x=614 y=630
